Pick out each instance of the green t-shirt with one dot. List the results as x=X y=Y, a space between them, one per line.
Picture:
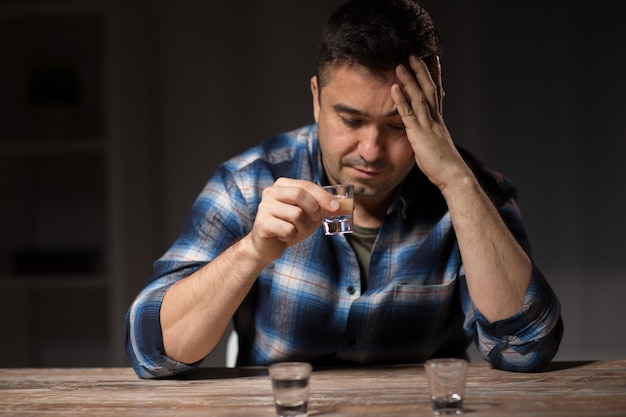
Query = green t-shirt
x=362 y=239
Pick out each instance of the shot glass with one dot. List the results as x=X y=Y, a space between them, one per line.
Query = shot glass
x=342 y=223
x=290 y=386
x=446 y=381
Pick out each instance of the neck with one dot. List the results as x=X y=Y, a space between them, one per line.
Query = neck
x=370 y=211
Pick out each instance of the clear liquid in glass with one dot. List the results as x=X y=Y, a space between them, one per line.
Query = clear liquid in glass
x=448 y=405
x=291 y=397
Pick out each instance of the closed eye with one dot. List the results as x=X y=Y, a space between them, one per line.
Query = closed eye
x=350 y=122
x=398 y=127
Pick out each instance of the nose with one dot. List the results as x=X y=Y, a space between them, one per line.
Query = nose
x=371 y=144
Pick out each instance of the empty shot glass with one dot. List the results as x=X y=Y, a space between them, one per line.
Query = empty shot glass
x=446 y=381
x=342 y=223
x=290 y=386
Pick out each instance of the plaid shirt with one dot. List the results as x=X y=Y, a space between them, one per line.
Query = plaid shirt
x=309 y=304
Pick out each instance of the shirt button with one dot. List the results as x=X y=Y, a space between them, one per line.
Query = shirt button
x=351 y=290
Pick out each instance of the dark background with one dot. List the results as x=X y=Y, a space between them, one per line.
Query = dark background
x=534 y=88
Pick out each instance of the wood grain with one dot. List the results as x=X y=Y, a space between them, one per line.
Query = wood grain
x=578 y=389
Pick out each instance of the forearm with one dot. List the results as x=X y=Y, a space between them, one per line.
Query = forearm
x=497 y=269
x=197 y=309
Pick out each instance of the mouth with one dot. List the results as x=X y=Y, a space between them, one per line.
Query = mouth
x=365 y=173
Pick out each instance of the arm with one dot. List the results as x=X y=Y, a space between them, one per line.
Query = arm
x=511 y=311
x=497 y=269
x=196 y=310
x=178 y=318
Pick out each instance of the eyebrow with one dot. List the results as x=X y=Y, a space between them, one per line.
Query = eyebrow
x=344 y=108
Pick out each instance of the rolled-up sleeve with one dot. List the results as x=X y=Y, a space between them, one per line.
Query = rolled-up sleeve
x=144 y=339
x=525 y=342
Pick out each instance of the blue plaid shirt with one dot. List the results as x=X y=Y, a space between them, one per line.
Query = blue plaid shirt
x=309 y=304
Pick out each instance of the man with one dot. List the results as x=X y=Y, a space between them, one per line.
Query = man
x=438 y=257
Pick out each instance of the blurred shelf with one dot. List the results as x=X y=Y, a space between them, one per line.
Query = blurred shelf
x=51 y=147
x=57 y=281
x=59 y=287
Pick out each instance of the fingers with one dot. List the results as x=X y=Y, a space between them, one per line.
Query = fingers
x=308 y=196
x=405 y=109
x=422 y=94
x=418 y=99
x=291 y=210
x=434 y=68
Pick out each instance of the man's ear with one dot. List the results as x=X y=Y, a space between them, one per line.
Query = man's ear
x=316 y=98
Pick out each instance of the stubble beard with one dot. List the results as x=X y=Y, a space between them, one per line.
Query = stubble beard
x=362 y=187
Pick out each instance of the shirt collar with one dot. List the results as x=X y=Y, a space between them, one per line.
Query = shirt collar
x=315 y=153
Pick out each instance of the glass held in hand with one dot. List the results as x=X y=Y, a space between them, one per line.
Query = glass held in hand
x=290 y=386
x=342 y=222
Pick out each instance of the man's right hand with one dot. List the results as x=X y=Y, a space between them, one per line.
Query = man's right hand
x=289 y=212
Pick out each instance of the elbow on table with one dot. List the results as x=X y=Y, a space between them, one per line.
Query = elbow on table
x=154 y=364
x=531 y=357
x=146 y=353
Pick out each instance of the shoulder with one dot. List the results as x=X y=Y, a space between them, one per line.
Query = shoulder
x=497 y=186
x=285 y=154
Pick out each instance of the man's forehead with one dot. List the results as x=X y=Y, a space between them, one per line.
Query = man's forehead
x=344 y=108
x=357 y=90
x=357 y=68
x=329 y=71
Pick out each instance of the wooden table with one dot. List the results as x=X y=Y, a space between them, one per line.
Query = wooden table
x=593 y=389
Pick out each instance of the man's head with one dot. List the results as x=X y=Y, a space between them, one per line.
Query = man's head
x=361 y=134
x=376 y=34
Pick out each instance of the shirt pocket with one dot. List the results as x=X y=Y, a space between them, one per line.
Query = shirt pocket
x=419 y=314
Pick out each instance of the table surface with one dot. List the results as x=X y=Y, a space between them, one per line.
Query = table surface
x=595 y=389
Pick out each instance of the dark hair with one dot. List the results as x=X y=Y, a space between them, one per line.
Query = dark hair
x=377 y=34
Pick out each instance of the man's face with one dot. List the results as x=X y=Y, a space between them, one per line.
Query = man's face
x=361 y=135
